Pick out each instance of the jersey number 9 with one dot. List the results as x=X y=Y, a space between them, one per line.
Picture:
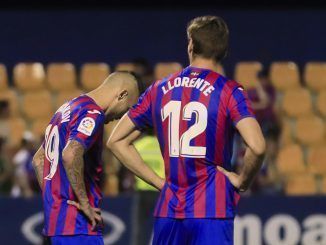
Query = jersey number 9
x=52 y=149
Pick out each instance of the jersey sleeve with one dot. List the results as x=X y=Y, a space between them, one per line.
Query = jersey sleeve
x=141 y=113
x=85 y=126
x=239 y=106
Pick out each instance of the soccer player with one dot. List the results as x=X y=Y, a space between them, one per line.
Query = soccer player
x=68 y=164
x=195 y=114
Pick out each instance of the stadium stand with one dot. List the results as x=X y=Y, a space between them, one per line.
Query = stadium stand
x=17 y=128
x=3 y=78
x=37 y=104
x=303 y=184
x=39 y=126
x=246 y=73
x=323 y=185
x=37 y=92
x=315 y=75
x=285 y=75
x=165 y=68
x=297 y=102
x=290 y=160
x=317 y=160
x=93 y=74
x=64 y=96
x=125 y=67
x=61 y=76
x=287 y=133
x=321 y=103
x=29 y=76
x=310 y=130
x=11 y=96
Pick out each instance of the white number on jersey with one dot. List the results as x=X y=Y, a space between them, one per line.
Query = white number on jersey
x=181 y=146
x=52 y=138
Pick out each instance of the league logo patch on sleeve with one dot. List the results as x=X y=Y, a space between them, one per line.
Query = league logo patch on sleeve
x=86 y=126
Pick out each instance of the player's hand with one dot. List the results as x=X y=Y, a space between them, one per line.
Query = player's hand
x=234 y=178
x=93 y=214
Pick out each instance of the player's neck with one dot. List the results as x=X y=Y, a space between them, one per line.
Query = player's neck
x=204 y=64
x=97 y=95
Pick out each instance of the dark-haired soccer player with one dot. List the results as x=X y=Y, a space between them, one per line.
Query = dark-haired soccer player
x=195 y=113
x=68 y=165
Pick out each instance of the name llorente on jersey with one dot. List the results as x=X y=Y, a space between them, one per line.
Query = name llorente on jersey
x=199 y=83
x=65 y=112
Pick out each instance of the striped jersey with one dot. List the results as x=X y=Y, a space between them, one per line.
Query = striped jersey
x=80 y=119
x=194 y=113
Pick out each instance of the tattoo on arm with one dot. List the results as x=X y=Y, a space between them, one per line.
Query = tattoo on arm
x=38 y=165
x=74 y=166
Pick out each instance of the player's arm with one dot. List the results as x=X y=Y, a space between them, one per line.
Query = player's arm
x=38 y=165
x=254 y=155
x=120 y=143
x=255 y=151
x=242 y=116
x=73 y=162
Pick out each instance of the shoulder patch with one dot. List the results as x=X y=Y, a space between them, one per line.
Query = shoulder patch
x=86 y=126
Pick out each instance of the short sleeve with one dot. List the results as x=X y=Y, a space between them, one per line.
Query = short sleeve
x=141 y=113
x=86 y=126
x=239 y=105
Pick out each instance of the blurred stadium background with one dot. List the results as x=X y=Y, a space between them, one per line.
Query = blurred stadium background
x=52 y=53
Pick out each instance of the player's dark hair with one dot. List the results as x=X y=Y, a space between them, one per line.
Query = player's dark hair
x=210 y=37
x=140 y=84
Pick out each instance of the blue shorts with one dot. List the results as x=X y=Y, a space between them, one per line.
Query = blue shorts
x=77 y=240
x=193 y=231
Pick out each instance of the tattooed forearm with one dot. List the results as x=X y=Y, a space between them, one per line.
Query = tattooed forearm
x=74 y=166
x=38 y=165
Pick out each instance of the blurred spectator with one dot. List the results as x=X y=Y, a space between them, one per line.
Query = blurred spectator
x=149 y=149
x=263 y=99
x=144 y=70
x=4 y=119
x=24 y=177
x=5 y=170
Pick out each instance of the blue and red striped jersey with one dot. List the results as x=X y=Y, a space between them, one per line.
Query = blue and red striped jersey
x=194 y=113
x=80 y=119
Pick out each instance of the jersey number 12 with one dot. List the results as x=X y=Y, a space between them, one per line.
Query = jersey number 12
x=180 y=146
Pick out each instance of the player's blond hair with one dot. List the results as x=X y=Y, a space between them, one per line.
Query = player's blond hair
x=210 y=37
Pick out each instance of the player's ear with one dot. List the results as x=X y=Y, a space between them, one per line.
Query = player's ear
x=123 y=94
x=190 y=46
